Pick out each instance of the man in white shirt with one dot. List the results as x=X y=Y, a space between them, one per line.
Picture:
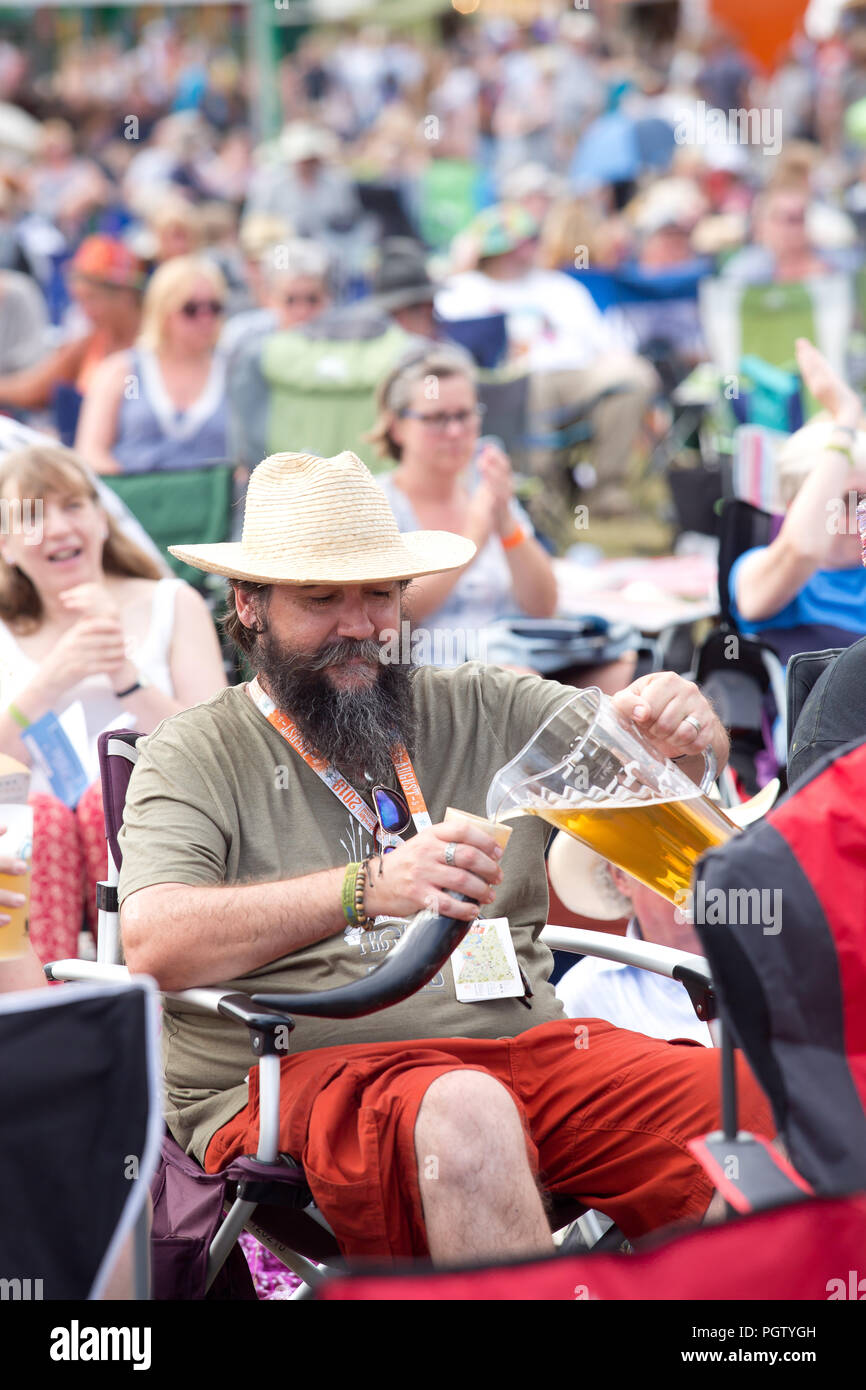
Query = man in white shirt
x=555 y=330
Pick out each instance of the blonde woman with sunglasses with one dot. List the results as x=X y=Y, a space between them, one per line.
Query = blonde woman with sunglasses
x=161 y=405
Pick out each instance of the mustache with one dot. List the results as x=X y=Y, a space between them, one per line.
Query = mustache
x=333 y=654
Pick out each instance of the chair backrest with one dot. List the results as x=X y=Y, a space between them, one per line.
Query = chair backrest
x=765 y=320
x=118 y=754
x=486 y=338
x=742 y=527
x=826 y=704
x=81 y=1076
x=804 y=671
x=321 y=391
x=192 y=506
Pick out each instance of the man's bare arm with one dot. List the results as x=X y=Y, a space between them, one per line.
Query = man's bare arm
x=186 y=936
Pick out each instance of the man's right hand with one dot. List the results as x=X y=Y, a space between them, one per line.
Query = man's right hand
x=416 y=876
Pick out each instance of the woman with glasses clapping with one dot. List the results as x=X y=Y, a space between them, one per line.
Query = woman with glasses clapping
x=161 y=405
x=429 y=422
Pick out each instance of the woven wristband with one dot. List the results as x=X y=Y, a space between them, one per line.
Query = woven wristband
x=349 y=881
x=842 y=449
x=20 y=719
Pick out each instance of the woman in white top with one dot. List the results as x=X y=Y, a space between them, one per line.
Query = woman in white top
x=93 y=634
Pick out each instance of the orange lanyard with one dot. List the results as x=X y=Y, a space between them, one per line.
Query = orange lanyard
x=335 y=780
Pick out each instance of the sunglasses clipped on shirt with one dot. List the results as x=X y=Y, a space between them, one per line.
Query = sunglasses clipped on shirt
x=392 y=813
x=194 y=308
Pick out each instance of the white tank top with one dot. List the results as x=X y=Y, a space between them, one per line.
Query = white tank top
x=101 y=708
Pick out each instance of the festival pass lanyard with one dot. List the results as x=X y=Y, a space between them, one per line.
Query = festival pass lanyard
x=335 y=780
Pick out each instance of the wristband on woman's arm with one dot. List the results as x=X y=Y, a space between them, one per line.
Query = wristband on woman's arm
x=20 y=719
x=514 y=538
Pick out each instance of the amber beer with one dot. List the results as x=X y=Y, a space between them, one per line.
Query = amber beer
x=15 y=844
x=658 y=842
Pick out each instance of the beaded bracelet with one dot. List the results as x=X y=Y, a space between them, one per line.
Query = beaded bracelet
x=361 y=918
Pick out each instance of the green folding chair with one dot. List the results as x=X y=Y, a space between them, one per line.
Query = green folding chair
x=190 y=507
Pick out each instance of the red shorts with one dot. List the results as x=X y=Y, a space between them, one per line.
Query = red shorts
x=607 y=1115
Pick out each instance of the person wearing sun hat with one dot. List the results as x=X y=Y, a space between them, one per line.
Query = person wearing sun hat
x=106 y=281
x=280 y=835
x=556 y=333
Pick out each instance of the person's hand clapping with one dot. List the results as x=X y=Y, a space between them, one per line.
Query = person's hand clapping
x=481 y=514
x=416 y=874
x=494 y=467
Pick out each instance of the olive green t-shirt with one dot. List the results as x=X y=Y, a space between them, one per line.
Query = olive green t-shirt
x=219 y=797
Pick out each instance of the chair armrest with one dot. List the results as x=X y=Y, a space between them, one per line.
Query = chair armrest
x=421 y=951
x=98 y=971
x=626 y=950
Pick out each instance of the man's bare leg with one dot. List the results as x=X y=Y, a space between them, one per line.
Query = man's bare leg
x=479 y=1196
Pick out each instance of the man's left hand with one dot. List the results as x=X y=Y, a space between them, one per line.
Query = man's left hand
x=668 y=710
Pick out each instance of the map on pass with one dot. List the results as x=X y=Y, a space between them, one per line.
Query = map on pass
x=485 y=960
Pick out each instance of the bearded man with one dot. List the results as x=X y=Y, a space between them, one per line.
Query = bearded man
x=422 y=1128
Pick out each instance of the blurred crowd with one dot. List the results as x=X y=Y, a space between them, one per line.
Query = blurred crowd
x=520 y=167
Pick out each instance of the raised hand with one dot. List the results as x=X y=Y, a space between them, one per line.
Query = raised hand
x=826 y=385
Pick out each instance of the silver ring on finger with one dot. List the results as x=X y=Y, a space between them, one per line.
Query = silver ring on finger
x=450 y=852
x=695 y=723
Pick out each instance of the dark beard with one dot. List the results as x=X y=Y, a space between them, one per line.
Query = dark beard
x=355 y=730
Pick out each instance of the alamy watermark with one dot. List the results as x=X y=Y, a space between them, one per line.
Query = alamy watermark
x=22 y=516
x=753 y=125
x=441 y=646
x=730 y=907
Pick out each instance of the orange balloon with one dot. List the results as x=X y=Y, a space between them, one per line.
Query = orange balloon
x=764 y=29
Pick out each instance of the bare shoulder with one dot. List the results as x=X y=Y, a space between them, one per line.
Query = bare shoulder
x=111 y=373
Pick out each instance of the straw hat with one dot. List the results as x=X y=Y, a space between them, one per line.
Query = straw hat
x=311 y=520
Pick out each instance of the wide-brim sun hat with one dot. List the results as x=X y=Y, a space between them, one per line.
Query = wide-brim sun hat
x=312 y=520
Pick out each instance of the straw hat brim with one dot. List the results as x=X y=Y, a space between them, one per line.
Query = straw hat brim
x=581 y=880
x=415 y=553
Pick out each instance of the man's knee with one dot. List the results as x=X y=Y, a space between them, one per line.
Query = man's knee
x=466 y=1120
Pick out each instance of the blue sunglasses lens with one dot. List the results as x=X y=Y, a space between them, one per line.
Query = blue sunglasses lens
x=392 y=809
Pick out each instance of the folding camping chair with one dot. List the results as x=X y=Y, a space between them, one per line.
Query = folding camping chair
x=188 y=506
x=766 y=320
x=80 y=1090
x=272 y=1199
x=743 y=676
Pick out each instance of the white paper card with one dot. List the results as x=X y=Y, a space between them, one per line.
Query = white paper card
x=485 y=964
